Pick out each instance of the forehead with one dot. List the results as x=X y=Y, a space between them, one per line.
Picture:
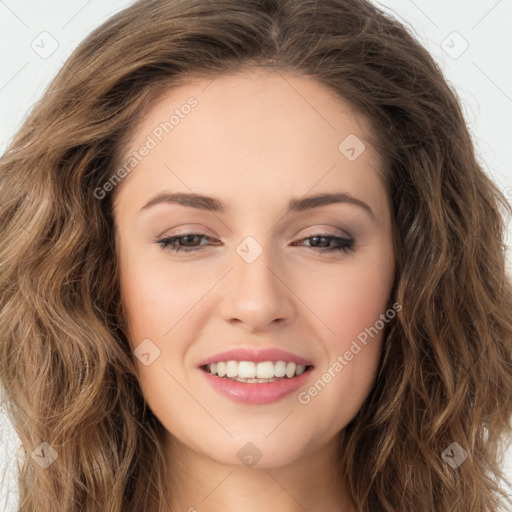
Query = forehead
x=253 y=132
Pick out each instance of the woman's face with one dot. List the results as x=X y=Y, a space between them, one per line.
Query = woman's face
x=255 y=279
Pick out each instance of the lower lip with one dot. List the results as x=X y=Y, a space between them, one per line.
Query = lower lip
x=256 y=393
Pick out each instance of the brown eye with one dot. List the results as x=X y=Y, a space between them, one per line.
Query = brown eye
x=340 y=244
x=189 y=244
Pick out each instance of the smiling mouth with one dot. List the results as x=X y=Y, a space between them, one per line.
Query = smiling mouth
x=256 y=373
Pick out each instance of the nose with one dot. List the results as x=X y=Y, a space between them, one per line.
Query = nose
x=257 y=294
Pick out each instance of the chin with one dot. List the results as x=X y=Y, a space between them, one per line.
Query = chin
x=260 y=453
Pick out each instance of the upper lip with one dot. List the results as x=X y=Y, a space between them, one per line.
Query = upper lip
x=256 y=355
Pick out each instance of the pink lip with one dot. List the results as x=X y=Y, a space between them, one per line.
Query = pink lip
x=258 y=356
x=256 y=393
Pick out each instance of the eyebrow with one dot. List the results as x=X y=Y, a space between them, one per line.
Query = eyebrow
x=212 y=204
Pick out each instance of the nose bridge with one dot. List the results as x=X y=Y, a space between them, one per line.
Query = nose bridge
x=258 y=295
x=255 y=269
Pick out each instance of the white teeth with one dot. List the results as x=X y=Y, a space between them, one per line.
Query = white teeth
x=251 y=372
x=232 y=369
x=280 y=369
x=246 y=369
x=261 y=381
x=265 y=370
x=221 y=369
x=290 y=370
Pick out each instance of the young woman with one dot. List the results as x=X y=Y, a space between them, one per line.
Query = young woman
x=249 y=262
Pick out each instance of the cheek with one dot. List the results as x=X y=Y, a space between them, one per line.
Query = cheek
x=161 y=301
x=350 y=298
x=156 y=299
x=156 y=314
x=351 y=304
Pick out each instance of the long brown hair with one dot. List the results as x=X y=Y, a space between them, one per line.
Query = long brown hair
x=68 y=373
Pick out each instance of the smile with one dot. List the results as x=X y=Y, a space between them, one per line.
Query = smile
x=253 y=390
x=256 y=372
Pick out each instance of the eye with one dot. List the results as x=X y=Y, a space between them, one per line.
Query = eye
x=174 y=243
x=340 y=244
x=170 y=242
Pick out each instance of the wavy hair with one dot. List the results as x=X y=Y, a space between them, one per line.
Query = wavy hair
x=66 y=367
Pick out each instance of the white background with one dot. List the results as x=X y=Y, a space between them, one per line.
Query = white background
x=471 y=40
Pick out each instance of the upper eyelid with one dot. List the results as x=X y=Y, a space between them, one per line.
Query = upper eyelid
x=347 y=237
x=201 y=231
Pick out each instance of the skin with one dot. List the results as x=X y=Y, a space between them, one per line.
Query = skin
x=255 y=140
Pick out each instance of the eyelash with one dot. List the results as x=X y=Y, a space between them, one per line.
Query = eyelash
x=345 y=245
